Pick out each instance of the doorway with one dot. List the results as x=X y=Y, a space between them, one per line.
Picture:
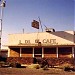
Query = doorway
x=38 y=52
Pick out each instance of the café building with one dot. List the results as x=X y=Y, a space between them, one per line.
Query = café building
x=41 y=45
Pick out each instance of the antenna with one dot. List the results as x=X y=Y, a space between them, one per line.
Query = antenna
x=23 y=30
x=40 y=23
x=45 y=26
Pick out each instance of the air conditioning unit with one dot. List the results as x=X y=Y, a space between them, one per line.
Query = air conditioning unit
x=50 y=30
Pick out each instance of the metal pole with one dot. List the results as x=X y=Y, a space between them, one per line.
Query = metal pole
x=2 y=5
x=40 y=23
x=1 y=18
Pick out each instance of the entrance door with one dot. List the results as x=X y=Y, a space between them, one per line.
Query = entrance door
x=38 y=52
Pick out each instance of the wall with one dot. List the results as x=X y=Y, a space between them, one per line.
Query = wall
x=65 y=52
x=4 y=53
x=50 y=53
x=26 y=52
x=14 y=52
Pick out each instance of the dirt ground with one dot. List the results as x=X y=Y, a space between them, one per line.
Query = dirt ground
x=30 y=71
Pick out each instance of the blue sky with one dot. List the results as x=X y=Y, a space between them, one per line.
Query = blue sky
x=18 y=15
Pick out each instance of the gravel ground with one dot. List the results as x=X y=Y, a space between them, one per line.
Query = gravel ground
x=28 y=71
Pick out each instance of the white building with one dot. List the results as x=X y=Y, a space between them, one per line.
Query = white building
x=59 y=44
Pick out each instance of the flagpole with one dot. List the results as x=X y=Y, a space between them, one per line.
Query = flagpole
x=40 y=23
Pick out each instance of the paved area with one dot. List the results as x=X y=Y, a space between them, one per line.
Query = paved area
x=28 y=71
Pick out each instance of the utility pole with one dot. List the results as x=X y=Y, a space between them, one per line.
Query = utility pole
x=2 y=5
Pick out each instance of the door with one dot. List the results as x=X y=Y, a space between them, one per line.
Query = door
x=38 y=52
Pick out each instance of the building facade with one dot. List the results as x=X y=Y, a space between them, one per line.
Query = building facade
x=43 y=45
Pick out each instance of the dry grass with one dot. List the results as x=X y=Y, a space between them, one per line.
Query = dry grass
x=31 y=71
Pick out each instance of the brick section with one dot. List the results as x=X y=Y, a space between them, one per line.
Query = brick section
x=50 y=55
x=65 y=55
x=26 y=55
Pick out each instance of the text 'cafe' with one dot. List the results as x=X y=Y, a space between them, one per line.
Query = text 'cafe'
x=50 y=41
